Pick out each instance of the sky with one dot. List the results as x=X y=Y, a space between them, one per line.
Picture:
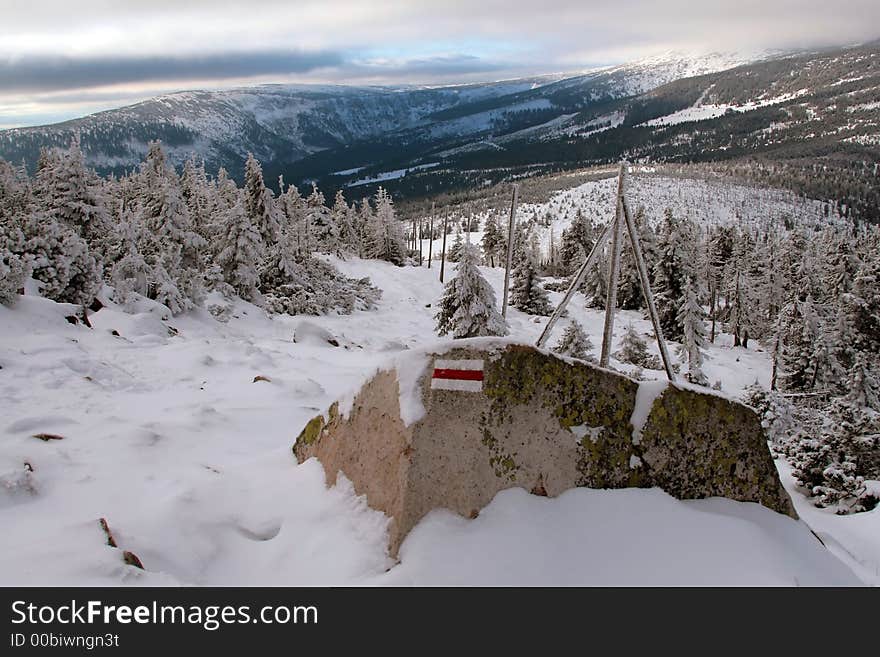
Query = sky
x=62 y=58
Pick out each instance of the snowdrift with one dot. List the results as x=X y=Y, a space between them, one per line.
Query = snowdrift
x=452 y=426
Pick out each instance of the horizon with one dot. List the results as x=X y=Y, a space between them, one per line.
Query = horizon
x=97 y=56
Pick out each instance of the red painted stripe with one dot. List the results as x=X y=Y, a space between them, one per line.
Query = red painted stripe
x=459 y=375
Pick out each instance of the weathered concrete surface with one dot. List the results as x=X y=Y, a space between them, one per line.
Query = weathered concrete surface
x=541 y=423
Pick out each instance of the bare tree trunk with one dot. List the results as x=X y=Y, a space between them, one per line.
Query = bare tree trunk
x=430 y=235
x=443 y=251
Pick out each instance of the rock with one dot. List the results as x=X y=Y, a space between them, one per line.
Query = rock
x=132 y=559
x=96 y=305
x=540 y=423
x=260 y=377
x=115 y=332
x=46 y=437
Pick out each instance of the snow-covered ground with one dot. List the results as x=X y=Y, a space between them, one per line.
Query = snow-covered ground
x=168 y=437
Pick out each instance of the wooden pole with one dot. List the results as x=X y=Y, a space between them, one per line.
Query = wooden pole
x=613 y=272
x=421 y=240
x=443 y=251
x=430 y=235
x=636 y=245
x=574 y=285
x=510 y=228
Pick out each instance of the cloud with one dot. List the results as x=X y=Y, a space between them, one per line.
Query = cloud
x=40 y=73
x=138 y=49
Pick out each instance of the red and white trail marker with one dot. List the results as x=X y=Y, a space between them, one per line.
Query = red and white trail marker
x=463 y=375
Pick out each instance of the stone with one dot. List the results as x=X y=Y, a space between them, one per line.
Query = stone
x=539 y=422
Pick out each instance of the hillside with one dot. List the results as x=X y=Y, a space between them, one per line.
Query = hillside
x=168 y=437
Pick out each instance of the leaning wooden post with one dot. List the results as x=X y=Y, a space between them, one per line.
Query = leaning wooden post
x=574 y=286
x=613 y=272
x=510 y=229
x=636 y=245
x=430 y=235
x=443 y=250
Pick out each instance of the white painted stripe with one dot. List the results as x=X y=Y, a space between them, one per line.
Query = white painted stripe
x=458 y=364
x=456 y=384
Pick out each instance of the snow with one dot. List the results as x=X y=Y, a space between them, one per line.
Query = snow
x=167 y=436
x=645 y=396
x=700 y=111
x=614 y=538
x=391 y=175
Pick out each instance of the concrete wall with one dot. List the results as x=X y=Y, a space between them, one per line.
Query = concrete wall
x=541 y=423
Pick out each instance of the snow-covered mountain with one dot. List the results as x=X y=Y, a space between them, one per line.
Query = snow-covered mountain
x=285 y=123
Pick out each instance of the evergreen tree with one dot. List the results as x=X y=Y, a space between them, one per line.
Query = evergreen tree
x=171 y=248
x=526 y=292
x=693 y=333
x=633 y=348
x=454 y=253
x=131 y=273
x=492 y=241
x=343 y=218
x=675 y=257
x=799 y=333
x=467 y=308
x=629 y=288
x=60 y=260
x=574 y=343
x=13 y=268
x=73 y=194
x=386 y=240
x=577 y=241
x=239 y=255
x=259 y=204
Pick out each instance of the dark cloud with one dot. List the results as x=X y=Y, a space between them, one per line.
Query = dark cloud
x=38 y=73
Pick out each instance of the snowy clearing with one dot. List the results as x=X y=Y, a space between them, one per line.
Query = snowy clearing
x=166 y=434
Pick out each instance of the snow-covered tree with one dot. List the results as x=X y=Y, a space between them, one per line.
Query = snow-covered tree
x=131 y=273
x=574 y=342
x=171 y=248
x=454 y=252
x=467 y=308
x=344 y=220
x=73 y=194
x=577 y=241
x=526 y=292
x=259 y=204
x=385 y=237
x=691 y=317
x=675 y=258
x=629 y=287
x=240 y=249
x=60 y=260
x=13 y=268
x=633 y=348
x=493 y=240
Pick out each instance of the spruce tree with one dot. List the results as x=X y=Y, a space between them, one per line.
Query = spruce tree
x=574 y=342
x=492 y=241
x=675 y=254
x=467 y=308
x=172 y=249
x=259 y=204
x=693 y=344
x=386 y=240
x=239 y=257
x=73 y=194
x=633 y=348
x=526 y=293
